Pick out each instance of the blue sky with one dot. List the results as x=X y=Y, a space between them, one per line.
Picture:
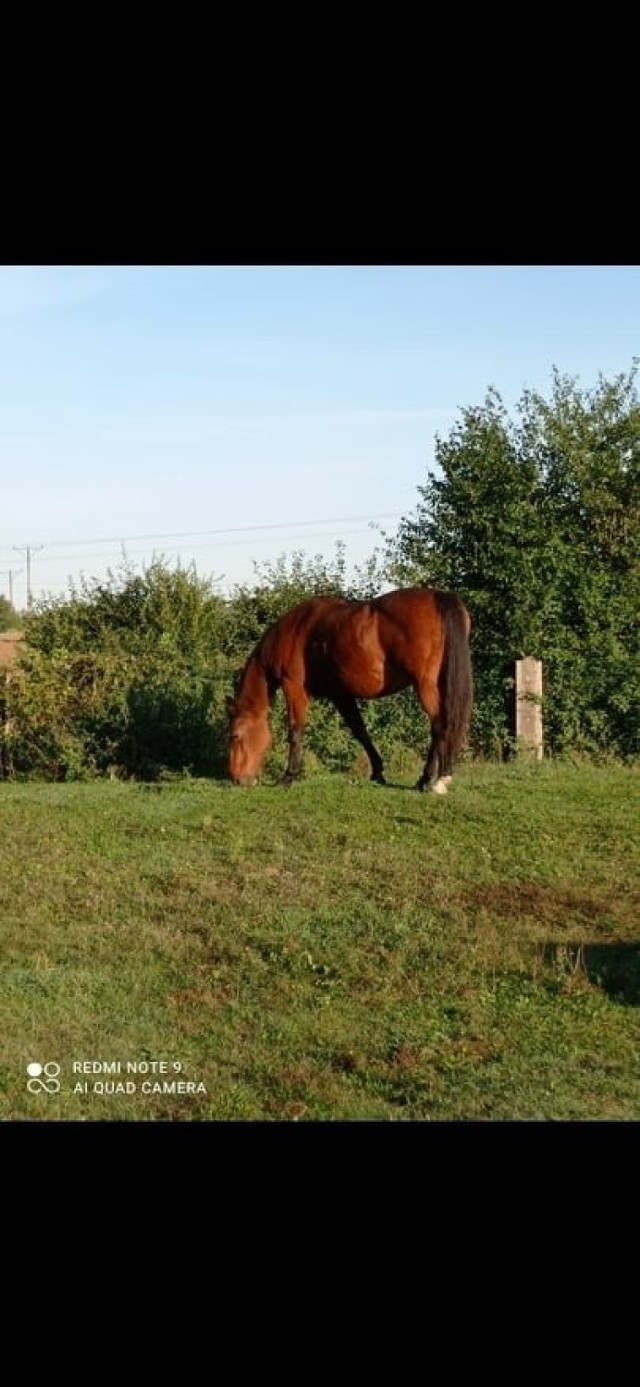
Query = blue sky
x=144 y=407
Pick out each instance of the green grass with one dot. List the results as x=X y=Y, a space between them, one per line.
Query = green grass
x=337 y=951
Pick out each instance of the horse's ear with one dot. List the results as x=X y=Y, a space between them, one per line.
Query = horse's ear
x=231 y=706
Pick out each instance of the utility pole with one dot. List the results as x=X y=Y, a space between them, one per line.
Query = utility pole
x=28 y=549
x=12 y=573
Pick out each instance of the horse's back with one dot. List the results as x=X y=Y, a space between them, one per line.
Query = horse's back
x=365 y=649
x=416 y=603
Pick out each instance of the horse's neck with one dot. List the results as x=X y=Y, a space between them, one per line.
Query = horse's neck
x=254 y=695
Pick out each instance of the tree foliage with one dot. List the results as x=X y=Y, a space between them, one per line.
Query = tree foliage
x=535 y=520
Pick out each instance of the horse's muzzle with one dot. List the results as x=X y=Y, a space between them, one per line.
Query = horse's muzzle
x=245 y=780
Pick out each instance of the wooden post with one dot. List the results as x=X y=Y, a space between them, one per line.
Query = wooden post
x=528 y=710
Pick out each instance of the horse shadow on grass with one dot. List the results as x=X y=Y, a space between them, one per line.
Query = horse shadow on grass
x=614 y=968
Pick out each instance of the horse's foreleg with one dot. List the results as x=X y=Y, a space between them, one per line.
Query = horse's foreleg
x=297 y=706
x=352 y=717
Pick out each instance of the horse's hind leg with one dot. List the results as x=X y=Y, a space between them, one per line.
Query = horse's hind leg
x=436 y=773
x=352 y=717
x=431 y=766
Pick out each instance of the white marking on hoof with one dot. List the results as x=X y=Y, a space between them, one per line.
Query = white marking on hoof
x=440 y=787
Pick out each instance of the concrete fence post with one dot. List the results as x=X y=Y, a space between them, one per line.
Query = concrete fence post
x=528 y=709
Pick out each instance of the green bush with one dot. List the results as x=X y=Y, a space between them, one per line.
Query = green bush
x=123 y=677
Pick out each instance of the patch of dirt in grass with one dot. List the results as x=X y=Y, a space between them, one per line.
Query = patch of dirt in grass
x=554 y=906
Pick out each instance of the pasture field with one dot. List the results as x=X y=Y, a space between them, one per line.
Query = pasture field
x=335 y=951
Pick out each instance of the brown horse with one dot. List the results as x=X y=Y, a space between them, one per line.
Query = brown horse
x=331 y=648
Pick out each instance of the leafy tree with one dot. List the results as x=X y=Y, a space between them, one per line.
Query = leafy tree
x=536 y=522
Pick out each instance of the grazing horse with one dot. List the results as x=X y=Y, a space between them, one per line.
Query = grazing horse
x=331 y=648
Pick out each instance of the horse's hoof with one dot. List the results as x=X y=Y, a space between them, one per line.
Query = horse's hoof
x=378 y=779
x=419 y=786
x=286 y=781
x=441 y=786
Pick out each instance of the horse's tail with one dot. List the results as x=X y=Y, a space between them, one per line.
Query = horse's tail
x=455 y=681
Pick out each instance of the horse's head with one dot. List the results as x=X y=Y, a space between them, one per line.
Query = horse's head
x=249 y=738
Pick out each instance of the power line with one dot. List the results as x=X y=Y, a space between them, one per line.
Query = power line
x=225 y=544
x=226 y=530
x=243 y=535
